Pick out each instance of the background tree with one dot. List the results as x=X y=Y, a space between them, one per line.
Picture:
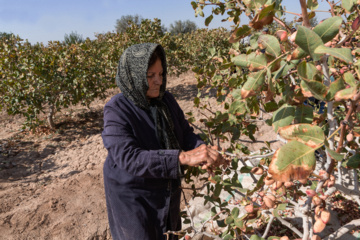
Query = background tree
x=73 y=38
x=5 y=35
x=125 y=21
x=182 y=27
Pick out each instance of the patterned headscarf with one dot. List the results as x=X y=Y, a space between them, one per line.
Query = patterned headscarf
x=132 y=70
x=132 y=80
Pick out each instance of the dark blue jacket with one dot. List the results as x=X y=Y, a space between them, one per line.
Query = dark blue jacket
x=141 y=180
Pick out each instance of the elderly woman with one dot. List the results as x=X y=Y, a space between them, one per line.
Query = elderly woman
x=148 y=140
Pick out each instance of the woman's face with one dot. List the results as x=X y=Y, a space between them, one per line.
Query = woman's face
x=155 y=77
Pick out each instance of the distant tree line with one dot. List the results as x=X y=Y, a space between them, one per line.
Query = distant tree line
x=177 y=27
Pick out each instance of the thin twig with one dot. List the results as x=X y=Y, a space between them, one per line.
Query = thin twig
x=188 y=210
x=259 y=156
x=248 y=141
x=212 y=218
x=289 y=225
x=297 y=14
x=251 y=174
x=292 y=79
x=198 y=188
x=282 y=24
x=198 y=128
x=268 y=226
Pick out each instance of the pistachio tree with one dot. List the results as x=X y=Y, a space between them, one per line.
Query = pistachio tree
x=38 y=80
x=308 y=81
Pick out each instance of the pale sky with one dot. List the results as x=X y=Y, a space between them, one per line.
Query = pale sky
x=49 y=20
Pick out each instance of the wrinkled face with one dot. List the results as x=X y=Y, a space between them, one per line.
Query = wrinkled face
x=155 y=77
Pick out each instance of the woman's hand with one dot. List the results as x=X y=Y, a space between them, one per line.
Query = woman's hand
x=206 y=156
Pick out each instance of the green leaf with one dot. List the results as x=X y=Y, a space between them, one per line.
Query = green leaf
x=293 y=161
x=267 y=11
x=245 y=169
x=304 y=114
x=317 y=89
x=271 y=106
x=281 y=207
x=334 y=88
x=253 y=83
x=354 y=161
x=242 y=31
x=194 y=5
x=350 y=79
x=343 y=54
x=308 y=41
x=229 y=5
x=229 y=220
x=307 y=134
x=348 y=4
x=240 y=60
x=264 y=17
x=298 y=53
x=356 y=131
x=238 y=107
x=235 y=212
x=345 y=94
x=334 y=155
x=212 y=51
x=221 y=223
x=271 y=45
x=252 y=61
x=236 y=94
x=258 y=186
x=283 y=116
x=328 y=29
x=208 y=20
x=281 y=71
x=239 y=222
x=256 y=237
x=307 y=71
x=312 y=4
x=217 y=190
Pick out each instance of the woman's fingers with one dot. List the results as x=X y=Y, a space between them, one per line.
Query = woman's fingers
x=206 y=156
x=218 y=158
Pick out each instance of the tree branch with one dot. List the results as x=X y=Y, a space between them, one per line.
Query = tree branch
x=305 y=16
x=289 y=225
x=282 y=24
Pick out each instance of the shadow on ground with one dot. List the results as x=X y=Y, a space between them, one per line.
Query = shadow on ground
x=22 y=155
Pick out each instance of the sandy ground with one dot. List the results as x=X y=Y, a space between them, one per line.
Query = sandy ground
x=51 y=183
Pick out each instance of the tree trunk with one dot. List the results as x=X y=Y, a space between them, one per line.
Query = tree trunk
x=50 y=117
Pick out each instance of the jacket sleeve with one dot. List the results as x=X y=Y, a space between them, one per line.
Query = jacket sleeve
x=127 y=154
